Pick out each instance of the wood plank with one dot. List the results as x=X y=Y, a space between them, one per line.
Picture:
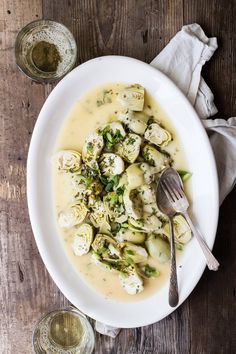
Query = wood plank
x=26 y=290
x=212 y=304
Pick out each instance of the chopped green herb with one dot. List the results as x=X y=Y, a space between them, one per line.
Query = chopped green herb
x=184 y=175
x=131 y=141
x=103 y=180
x=148 y=272
x=109 y=137
x=109 y=187
x=154 y=211
x=120 y=190
x=90 y=147
x=130 y=252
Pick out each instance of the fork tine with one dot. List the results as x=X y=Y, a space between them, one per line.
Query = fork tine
x=177 y=190
x=168 y=191
x=172 y=186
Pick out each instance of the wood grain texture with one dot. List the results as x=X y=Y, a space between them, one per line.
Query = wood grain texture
x=206 y=322
x=26 y=288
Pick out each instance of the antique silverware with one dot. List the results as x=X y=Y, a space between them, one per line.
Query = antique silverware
x=172 y=185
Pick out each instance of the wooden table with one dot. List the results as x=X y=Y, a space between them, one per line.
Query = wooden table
x=205 y=323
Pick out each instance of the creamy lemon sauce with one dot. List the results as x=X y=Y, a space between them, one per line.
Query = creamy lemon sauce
x=87 y=115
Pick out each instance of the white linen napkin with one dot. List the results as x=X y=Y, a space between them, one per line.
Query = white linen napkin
x=182 y=60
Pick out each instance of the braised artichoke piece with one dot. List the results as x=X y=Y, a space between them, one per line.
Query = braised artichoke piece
x=133 y=204
x=158 y=248
x=132 y=97
x=125 y=234
x=111 y=164
x=131 y=281
x=112 y=133
x=122 y=183
x=73 y=215
x=106 y=248
x=82 y=240
x=182 y=231
x=105 y=227
x=92 y=148
x=136 y=254
x=152 y=208
x=129 y=148
x=135 y=124
x=147 y=194
x=135 y=176
x=85 y=186
x=68 y=160
x=147 y=272
x=97 y=214
x=149 y=172
x=78 y=187
x=157 y=135
x=142 y=116
x=114 y=206
x=108 y=266
x=139 y=174
x=148 y=223
x=155 y=158
x=113 y=128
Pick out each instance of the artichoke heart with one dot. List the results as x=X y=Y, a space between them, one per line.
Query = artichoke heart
x=98 y=214
x=68 y=160
x=132 y=97
x=135 y=176
x=149 y=172
x=147 y=193
x=111 y=164
x=148 y=197
x=157 y=135
x=82 y=240
x=92 y=148
x=126 y=234
x=129 y=148
x=135 y=124
x=137 y=254
x=148 y=223
x=182 y=231
x=106 y=248
x=114 y=206
x=72 y=216
x=130 y=281
x=85 y=186
x=156 y=158
x=113 y=128
x=158 y=248
x=139 y=174
x=132 y=203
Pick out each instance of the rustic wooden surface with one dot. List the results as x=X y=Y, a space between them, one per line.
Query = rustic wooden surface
x=205 y=323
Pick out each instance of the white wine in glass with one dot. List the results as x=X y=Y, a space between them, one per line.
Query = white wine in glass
x=64 y=331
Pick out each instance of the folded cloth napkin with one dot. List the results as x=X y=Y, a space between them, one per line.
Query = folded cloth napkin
x=182 y=60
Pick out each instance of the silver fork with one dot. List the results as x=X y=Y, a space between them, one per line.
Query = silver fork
x=176 y=196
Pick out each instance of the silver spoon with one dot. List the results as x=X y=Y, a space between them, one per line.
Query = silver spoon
x=166 y=208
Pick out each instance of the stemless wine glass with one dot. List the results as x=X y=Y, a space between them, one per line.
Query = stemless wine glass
x=49 y=32
x=65 y=331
